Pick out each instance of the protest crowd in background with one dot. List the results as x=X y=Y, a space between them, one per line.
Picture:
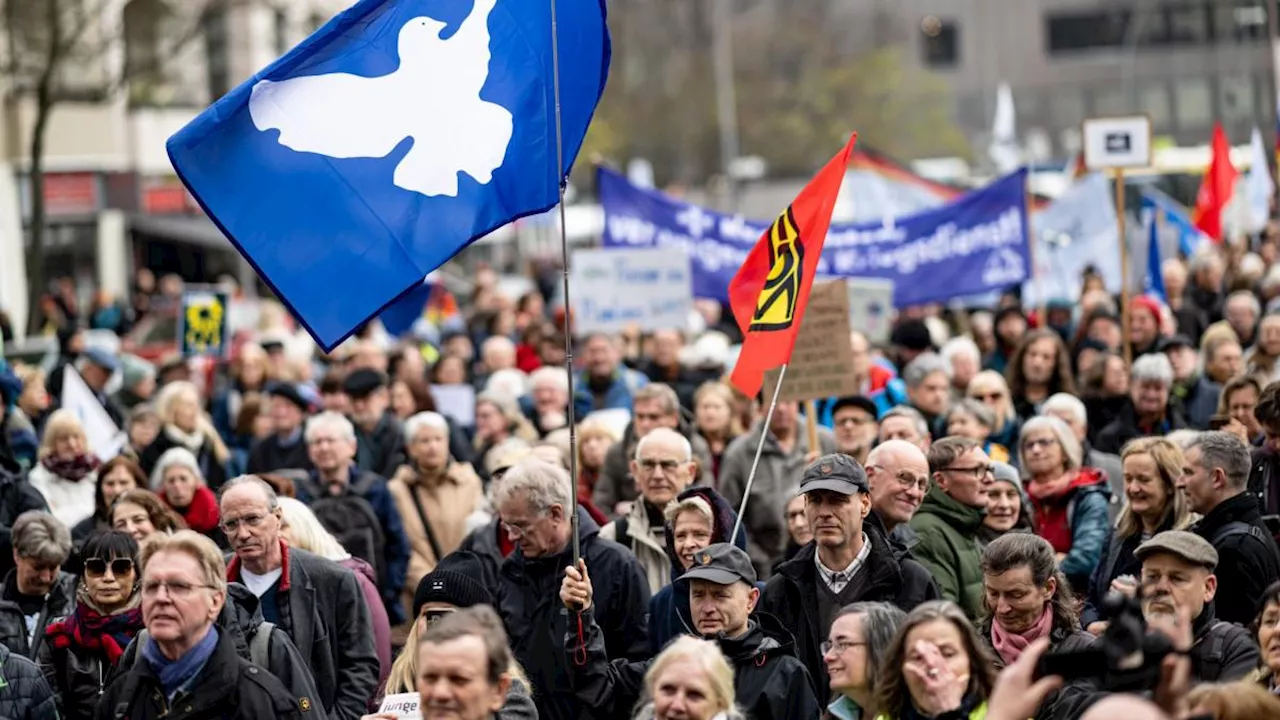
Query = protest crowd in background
x=996 y=475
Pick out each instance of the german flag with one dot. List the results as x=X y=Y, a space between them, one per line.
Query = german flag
x=769 y=293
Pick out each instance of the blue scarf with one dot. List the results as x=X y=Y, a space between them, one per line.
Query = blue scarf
x=177 y=674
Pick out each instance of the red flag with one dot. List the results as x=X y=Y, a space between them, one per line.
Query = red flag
x=771 y=289
x=1217 y=187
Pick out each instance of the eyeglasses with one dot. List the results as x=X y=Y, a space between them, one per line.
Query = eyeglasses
x=97 y=567
x=1038 y=443
x=840 y=646
x=178 y=589
x=905 y=479
x=976 y=471
x=648 y=465
x=988 y=397
x=231 y=526
x=434 y=616
x=518 y=530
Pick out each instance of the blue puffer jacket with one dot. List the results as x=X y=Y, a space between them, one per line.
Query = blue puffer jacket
x=669 y=615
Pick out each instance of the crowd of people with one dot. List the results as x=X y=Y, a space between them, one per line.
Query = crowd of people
x=1013 y=495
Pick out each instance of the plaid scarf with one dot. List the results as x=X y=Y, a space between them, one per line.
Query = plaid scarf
x=89 y=629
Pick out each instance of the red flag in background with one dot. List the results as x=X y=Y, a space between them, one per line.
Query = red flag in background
x=769 y=293
x=1217 y=187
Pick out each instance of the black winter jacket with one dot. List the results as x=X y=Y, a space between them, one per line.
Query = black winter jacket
x=536 y=620
x=60 y=601
x=791 y=595
x=381 y=451
x=1117 y=559
x=215 y=473
x=1112 y=438
x=240 y=621
x=24 y=693
x=330 y=625
x=1247 y=561
x=228 y=688
x=78 y=675
x=16 y=497
x=769 y=682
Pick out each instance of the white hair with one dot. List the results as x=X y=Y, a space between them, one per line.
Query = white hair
x=542 y=484
x=509 y=383
x=553 y=376
x=332 y=421
x=1248 y=298
x=1271 y=281
x=497 y=343
x=175 y=457
x=982 y=321
x=424 y=420
x=962 y=345
x=1070 y=445
x=918 y=370
x=1066 y=403
x=1204 y=259
x=686 y=449
x=1153 y=367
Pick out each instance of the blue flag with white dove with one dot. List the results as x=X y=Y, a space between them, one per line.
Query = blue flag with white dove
x=390 y=139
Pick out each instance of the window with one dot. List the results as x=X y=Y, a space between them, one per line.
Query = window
x=215 y=42
x=1194 y=104
x=1236 y=97
x=1241 y=21
x=143 y=54
x=1189 y=24
x=1155 y=102
x=1088 y=30
x=941 y=44
x=281 y=32
x=1112 y=100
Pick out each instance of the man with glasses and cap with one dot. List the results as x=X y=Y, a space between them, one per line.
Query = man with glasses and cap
x=849 y=560
x=769 y=682
x=949 y=517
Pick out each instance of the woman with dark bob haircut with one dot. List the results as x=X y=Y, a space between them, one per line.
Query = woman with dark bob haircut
x=937 y=665
x=116 y=476
x=84 y=646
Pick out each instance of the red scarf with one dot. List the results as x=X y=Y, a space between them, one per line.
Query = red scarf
x=202 y=514
x=89 y=629
x=1009 y=645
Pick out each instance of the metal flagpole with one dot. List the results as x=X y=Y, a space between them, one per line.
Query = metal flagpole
x=568 y=320
x=764 y=433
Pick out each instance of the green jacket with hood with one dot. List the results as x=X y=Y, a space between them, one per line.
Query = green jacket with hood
x=948 y=548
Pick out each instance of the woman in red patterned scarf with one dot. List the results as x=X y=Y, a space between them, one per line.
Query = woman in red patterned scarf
x=84 y=646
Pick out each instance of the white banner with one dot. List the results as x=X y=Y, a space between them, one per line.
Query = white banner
x=1077 y=230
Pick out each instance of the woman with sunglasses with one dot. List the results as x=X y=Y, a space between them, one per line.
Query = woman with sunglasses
x=302 y=529
x=1070 y=502
x=461 y=580
x=83 y=647
x=990 y=388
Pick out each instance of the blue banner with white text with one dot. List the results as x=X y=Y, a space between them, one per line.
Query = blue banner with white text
x=974 y=245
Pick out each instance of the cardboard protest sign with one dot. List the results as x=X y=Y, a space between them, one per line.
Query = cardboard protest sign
x=823 y=356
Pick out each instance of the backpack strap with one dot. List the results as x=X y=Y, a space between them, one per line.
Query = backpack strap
x=426 y=524
x=1233 y=528
x=260 y=645
x=364 y=483
x=1211 y=659
x=141 y=639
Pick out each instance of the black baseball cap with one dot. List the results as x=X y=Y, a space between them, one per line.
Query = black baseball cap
x=290 y=392
x=836 y=472
x=722 y=564
x=1177 y=341
x=361 y=383
x=862 y=402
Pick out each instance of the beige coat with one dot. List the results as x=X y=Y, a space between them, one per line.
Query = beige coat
x=640 y=539
x=447 y=500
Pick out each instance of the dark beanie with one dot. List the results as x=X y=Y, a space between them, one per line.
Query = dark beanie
x=457 y=580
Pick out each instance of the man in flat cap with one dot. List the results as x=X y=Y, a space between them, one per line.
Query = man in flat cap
x=379 y=434
x=849 y=560
x=285 y=450
x=1178 y=580
x=769 y=681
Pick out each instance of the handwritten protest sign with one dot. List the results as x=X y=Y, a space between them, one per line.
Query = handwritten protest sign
x=403 y=705
x=871 y=307
x=613 y=289
x=823 y=353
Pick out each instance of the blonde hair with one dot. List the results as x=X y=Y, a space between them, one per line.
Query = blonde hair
x=306 y=532
x=707 y=656
x=401 y=678
x=164 y=408
x=1234 y=701
x=719 y=389
x=691 y=504
x=199 y=547
x=1169 y=462
x=991 y=378
x=61 y=423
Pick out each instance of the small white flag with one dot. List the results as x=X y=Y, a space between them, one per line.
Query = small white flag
x=105 y=439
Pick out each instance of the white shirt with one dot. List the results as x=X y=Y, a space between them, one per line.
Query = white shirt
x=838 y=580
x=259 y=584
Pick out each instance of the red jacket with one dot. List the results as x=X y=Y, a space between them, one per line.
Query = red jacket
x=1052 y=522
